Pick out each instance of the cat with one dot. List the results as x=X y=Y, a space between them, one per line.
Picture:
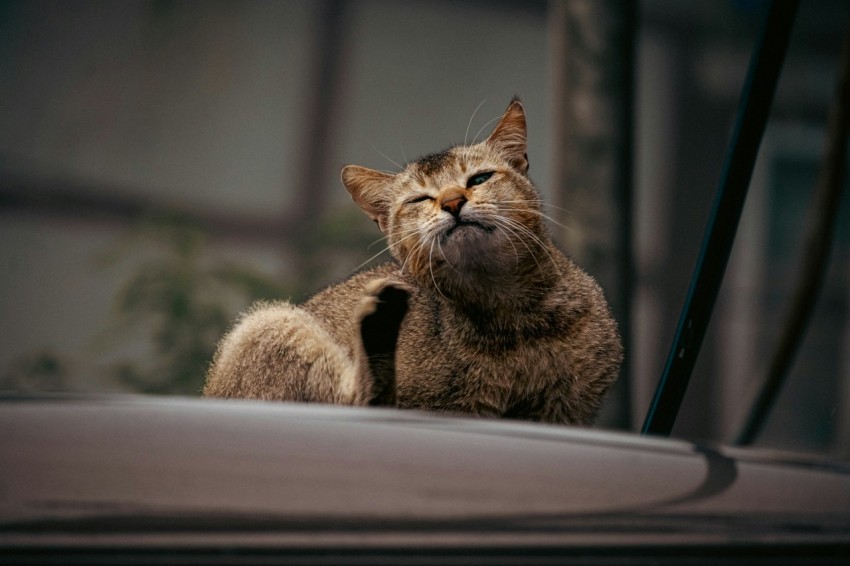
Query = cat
x=477 y=313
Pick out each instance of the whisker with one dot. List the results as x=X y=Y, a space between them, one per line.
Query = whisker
x=387 y=248
x=407 y=259
x=555 y=222
x=385 y=156
x=507 y=232
x=538 y=213
x=383 y=238
x=524 y=230
x=531 y=235
x=404 y=234
x=558 y=208
x=371 y=258
x=474 y=112
x=431 y=268
x=482 y=128
x=440 y=248
x=538 y=202
x=519 y=236
x=416 y=252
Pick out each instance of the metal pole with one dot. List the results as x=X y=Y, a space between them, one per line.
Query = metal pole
x=753 y=111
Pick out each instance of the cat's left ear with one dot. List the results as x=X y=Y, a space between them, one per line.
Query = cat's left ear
x=510 y=136
x=370 y=190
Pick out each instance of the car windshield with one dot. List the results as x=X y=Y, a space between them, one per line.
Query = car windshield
x=164 y=165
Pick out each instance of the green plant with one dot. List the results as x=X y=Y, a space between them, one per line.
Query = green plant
x=179 y=301
x=43 y=371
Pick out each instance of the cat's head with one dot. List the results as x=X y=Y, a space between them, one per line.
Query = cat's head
x=465 y=212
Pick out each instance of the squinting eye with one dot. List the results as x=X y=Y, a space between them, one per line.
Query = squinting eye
x=420 y=198
x=478 y=179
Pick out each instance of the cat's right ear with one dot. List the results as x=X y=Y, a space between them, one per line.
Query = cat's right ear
x=370 y=190
x=509 y=136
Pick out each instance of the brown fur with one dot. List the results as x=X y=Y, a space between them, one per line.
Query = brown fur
x=487 y=318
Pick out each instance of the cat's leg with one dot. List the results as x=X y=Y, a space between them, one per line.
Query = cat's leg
x=281 y=352
x=380 y=315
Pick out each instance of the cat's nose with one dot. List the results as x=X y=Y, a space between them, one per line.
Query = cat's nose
x=453 y=206
x=453 y=202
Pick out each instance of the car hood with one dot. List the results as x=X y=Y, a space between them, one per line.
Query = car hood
x=198 y=469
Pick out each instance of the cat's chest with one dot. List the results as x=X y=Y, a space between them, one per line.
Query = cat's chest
x=468 y=361
x=486 y=382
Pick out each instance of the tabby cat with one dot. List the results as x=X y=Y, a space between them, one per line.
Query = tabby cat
x=478 y=312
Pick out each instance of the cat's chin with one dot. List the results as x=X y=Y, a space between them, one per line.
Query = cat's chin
x=470 y=244
x=467 y=231
x=464 y=238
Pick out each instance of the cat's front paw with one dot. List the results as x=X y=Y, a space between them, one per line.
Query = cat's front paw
x=381 y=312
x=385 y=298
x=382 y=308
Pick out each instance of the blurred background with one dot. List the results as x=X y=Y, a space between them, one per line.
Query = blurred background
x=164 y=163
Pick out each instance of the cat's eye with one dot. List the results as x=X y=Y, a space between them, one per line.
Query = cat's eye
x=418 y=198
x=478 y=178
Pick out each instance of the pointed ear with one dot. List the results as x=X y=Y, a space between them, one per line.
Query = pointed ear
x=370 y=190
x=509 y=137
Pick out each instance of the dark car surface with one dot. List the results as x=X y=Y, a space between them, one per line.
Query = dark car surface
x=177 y=481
